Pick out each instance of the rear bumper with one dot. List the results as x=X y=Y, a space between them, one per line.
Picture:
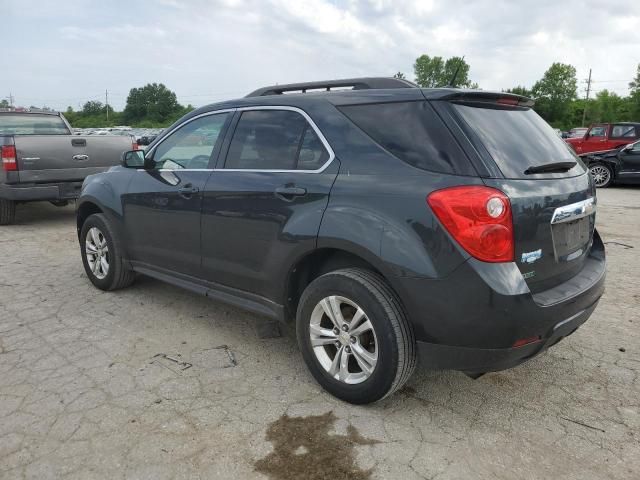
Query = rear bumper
x=35 y=192
x=481 y=360
x=471 y=320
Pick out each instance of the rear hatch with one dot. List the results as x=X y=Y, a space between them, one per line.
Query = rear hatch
x=550 y=190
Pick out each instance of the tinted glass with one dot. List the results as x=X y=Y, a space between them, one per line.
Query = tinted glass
x=412 y=132
x=623 y=131
x=275 y=140
x=598 y=132
x=517 y=138
x=32 y=124
x=191 y=146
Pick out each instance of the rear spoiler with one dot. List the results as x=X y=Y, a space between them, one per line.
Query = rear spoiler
x=478 y=96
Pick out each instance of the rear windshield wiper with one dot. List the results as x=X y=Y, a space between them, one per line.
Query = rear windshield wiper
x=550 y=167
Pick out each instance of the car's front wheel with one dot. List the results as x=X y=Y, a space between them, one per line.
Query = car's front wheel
x=354 y=335
x=102 y=255
x=602 y=175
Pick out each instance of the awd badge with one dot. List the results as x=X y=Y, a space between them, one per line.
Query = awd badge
x=530 y=257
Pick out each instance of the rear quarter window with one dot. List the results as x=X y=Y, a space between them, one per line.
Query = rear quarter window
x=412 y=132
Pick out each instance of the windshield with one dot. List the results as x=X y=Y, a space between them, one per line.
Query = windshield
x=517 y=139
x=32 y=124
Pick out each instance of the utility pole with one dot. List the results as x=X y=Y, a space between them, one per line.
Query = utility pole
x=106 y=101
x=584 y=111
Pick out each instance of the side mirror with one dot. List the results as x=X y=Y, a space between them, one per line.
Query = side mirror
x=628 y=148
x=133 y=159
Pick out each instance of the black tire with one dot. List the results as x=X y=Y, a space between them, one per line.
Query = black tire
x=602 y=174
x=396 y=347
x=118 y=274
x=7 y=211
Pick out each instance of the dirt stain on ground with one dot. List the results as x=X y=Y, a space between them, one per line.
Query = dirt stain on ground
x=304 y=448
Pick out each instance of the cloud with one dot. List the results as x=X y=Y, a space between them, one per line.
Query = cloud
x=211 y=50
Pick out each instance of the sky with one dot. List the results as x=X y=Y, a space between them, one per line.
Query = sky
x=61 y=53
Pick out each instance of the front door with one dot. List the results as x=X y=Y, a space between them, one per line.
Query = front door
x=596 y=140
x=629 y=170
x=264 y=205
x=163 y=202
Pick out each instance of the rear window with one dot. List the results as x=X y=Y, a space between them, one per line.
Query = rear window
x=32 y=124
x=517 y=138
x=413 y=132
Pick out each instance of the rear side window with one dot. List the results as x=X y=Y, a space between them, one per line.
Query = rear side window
x=623 y=131
x=413 y=132
x=32 y=124
x=516 y=138
x=275 y=140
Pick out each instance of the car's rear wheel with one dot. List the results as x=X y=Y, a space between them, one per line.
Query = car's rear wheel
x=7 y=211
x=354 y=335
x=601 y=174
x=102 y=255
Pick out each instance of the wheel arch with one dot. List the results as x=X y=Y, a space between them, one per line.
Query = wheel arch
x=323 y=260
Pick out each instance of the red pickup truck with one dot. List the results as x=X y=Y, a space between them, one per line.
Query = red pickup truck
x=605 y=136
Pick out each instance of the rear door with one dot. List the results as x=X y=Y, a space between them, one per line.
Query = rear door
x=622 y=134
x=162 y=205
x=264 y=203
x=553 y=211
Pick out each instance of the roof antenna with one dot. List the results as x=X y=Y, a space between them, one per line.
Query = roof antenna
x=452 y=83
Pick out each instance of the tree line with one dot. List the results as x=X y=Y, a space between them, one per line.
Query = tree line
x=151 y=106
x=556 y=93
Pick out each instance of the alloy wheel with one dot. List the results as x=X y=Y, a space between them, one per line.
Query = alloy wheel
x=343 y=339
x=600 y=174
x=97 y=252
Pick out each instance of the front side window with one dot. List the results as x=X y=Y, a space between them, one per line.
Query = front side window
x=275 y=140
x=597 y=132
x=191 y=146
x=623 y=131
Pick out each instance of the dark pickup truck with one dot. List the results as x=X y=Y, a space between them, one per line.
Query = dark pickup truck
x=42 y=160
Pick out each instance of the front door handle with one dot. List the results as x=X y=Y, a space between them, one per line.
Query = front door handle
x=188 y=190
x=289 y=193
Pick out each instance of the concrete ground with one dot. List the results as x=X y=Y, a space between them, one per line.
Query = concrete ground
x=155 y=382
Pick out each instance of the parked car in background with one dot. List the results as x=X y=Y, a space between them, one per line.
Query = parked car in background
x=605 y=136
x=42 y=159
x=621 y=165
x=389 y=221
x=577 y=132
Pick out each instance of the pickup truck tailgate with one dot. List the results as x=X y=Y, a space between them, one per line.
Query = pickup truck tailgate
x=52 y=158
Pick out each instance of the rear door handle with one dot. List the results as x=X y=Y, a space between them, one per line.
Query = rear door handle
x=188 y=190
x=289 y=193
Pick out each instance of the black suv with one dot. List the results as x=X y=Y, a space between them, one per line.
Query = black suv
x=391 y=222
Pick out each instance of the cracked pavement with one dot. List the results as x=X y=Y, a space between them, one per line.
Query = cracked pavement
x=83 y=394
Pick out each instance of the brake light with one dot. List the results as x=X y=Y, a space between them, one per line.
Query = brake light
x=134 y=145
x=508 y=101
x=478 y=218
x=9 y=163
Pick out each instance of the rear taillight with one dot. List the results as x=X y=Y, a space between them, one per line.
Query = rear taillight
x=9 y=163
x=478 y=218
x=134 y=145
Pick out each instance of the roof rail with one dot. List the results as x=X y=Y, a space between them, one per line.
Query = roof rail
x=365 y=83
